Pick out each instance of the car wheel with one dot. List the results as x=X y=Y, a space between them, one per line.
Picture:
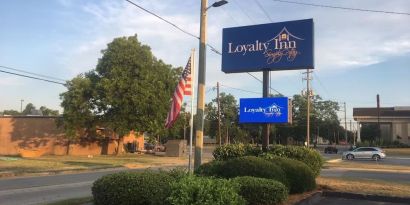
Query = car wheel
x=376 y=157
x=350 y=157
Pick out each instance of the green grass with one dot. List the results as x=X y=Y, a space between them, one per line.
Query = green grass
x=24 y=166
x=364 y=186
x=397 y=151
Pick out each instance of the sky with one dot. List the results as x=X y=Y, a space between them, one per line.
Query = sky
x=357 y=54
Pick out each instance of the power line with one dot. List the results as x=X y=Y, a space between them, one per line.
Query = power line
x=31 y=73
x=262 y=83
x=263 y=10
x=243 y=11
x=321 y=84
x=240 y=89
x=342 y=8
x=190 y=34
x=26 y=76
x=174 y=25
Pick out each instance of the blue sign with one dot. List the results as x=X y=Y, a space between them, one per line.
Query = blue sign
x=265 y=110
x=274 y=46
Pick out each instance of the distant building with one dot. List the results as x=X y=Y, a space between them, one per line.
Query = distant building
x=394 y=122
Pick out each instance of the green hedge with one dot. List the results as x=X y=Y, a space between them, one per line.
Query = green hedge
x=147 y=187
x=261 y=191
x=298 y=174
x=310 y=157
x=212 y=168
x=193 y=190
x=231 y=151
x=243 y=166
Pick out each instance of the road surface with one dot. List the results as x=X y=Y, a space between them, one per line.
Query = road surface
x=45 y=189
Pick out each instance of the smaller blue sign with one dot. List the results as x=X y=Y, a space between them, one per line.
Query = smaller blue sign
x=264 y=110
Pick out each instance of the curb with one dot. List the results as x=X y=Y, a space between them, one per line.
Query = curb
x=311 y=200
x=368 y=197
x=317 y=196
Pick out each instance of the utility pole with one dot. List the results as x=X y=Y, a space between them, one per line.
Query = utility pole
x=219 y=114
x=21 y=106
x=345 y=122
x=308 y=95
x=378 y=118
x=351 y=128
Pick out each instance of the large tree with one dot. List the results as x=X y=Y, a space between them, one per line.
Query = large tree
x=229 y=110
x=323 y=119
x=129 y=90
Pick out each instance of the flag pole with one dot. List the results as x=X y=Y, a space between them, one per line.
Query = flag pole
x=191 y=121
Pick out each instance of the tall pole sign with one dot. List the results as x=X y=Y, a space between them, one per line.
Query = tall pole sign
x=268 y=47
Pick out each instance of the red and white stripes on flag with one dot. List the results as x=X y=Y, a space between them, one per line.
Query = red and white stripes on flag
x=184 y=87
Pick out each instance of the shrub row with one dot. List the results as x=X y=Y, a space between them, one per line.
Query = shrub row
x=309 y=156
x=261 y=191
x=193 y=190
x=230 y=151
x=125 y=188
x=298 y=175
x=178 y=188
x=243 y=166
x=295 y=175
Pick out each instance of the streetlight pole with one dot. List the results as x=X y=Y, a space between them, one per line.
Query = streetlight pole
x=199 y=134
x=199 y=122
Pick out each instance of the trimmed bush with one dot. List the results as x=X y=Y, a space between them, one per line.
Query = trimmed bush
x=132 y=188
x=231 y=151
x=212 y=168
x=310 y=157
x=261 y=191
x=178 y=173
x=243 y=166
x=299 y=176
x=193 y=190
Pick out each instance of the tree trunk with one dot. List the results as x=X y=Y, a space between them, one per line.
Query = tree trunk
x=68 y=147
x=120 y=145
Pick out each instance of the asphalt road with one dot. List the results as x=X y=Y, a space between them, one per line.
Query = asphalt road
x=389 y=160
x=45 y=189
x=342 y=201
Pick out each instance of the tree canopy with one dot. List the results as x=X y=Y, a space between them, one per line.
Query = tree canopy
x=130 y=89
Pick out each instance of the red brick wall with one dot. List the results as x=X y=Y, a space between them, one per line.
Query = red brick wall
x=37 y=136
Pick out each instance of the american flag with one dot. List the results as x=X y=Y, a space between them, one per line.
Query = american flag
x=184 y=87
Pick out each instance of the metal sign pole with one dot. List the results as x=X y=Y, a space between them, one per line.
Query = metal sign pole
x=265 y=142
x=191 y=121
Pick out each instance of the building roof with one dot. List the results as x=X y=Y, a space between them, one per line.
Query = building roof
x=384 y=112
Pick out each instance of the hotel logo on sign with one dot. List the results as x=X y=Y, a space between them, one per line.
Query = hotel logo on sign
x=271 y=111
x=284 y=46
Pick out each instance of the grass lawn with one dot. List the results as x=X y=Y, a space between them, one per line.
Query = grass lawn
x=362 y=186
x=397 y=151
x=24 y=166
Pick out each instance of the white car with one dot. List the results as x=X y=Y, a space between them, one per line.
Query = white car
x=374 y=153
